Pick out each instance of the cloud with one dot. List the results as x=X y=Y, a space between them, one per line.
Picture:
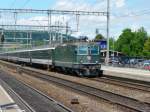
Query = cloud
x=87 y=24
x=135 y=26
x=87 y=5
x=91 y=22
x=119 y=3
x=37 y=20
x=72 y=5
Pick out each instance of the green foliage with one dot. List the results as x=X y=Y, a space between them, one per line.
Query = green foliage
x=146 y=49
x=124 y=41
x=37 y=43
x=131 y=43
x=111 y=44
x=99 y=37
x=138 y=42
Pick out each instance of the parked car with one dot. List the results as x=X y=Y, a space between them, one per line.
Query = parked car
x=133 y=61
x=114 y=60
x=146 y=64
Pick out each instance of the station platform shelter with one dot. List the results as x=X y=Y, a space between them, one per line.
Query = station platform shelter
x=111 y=53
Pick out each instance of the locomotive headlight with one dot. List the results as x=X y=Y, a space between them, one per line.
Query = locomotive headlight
x=81 y=61
x=96 y=62
x=89 y=58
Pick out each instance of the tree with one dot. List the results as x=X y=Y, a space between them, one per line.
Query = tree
x=146 y=49
x=140 y=37
x=131 y=43
x=37 y=43
x=99 y=37
x=123 y=44
x=111 y=44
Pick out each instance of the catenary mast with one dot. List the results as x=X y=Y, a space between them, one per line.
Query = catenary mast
x=108 y=18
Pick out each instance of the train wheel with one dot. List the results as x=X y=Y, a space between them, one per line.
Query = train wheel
x=100 y=73
x=79 y=73
x=95 y=73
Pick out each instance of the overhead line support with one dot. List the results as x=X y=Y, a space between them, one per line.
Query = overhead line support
x=108 y=19
x=54 y=12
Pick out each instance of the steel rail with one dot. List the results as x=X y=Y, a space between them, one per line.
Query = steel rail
x=23 y=105
x=123 y=101
x=46 y=96
x=49 y=100
x=126 y=84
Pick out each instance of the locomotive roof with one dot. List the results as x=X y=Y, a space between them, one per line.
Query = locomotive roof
x=79 y=43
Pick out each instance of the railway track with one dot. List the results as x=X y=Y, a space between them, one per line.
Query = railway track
x=123 y=83
x=36 y=99
x=132 y=105
x=18 y=100
x=129 y=103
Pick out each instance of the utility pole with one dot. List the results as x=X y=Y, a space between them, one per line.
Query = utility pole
x=15 y=23
x=108 y=17
x=49 y=27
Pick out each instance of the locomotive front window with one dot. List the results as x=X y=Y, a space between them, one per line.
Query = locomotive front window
x=83 y=50
x=94 y=50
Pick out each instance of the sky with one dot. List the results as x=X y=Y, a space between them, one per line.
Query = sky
x=123 y=14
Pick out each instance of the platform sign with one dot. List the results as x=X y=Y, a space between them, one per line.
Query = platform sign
x=103 y=44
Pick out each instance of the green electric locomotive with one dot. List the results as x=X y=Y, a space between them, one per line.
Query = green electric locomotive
x=80 y=58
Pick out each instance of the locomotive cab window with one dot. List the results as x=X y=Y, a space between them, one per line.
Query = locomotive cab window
x=94 y=50
x=82 y=50
x=88 y=49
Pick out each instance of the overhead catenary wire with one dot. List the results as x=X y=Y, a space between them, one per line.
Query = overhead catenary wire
x=25 y=3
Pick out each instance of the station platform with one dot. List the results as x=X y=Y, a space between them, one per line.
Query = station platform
x=131 y=73
x=7 y=104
